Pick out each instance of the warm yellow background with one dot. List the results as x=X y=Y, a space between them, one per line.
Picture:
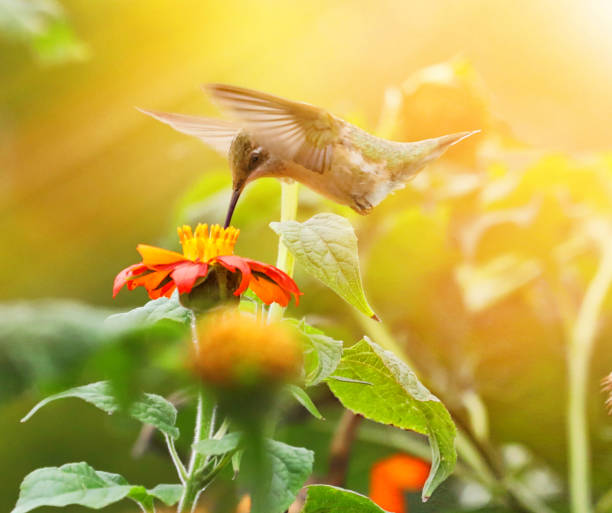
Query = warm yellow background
x=84 y=176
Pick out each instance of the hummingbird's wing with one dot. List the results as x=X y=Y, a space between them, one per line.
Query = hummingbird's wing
x=294 y=131
x=217 y=133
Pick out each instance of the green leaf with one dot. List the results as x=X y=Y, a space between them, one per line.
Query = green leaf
x=326 y=247
x=216 y=447
x=43 y=25
x=58 y=44
x=61 y=337
x=290 y=467
x=142 y=497
x=236 y=460
x=397 y=397
x=153 y=312
x=349 y=380
x=321 y=353
x=149 y=409
x=304 y=399
x=76 y=483
x=330 y=499
x=169 y=494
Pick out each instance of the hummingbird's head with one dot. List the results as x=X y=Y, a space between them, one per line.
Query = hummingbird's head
x=246 y=159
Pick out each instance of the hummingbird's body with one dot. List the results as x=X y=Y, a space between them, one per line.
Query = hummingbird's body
x=364 y=169
x=284 y=139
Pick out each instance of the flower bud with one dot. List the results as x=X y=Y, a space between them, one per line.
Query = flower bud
x=237 y=350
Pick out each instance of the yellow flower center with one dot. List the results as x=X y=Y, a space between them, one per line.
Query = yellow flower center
x=206 y=244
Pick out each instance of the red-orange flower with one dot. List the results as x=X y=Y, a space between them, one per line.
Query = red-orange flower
x=391 y=477
x=162 y=271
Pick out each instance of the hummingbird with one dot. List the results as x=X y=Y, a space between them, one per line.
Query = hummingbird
x=270 y=136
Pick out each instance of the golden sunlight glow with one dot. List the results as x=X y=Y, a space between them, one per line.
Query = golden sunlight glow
x=547 y=66
x=204 y=245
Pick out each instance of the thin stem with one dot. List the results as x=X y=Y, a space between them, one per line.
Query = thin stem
x=212 y=421
x=199 y=429
x=178 y=464
x=205 y=414
x=475 y=461
x=284 y=260
x=579 y=357
x=379 y=333
x=340 y=449
x=145 y=509
x=477 y=413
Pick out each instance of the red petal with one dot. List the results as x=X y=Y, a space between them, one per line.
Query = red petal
x=186 y=274
x=281 y=278
x=233 y=262
x=165 y=291
x=125 y=275
x=268 y=291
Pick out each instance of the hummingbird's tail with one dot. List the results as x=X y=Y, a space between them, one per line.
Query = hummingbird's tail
x=420 y=153
x=416 y=155
x=441 y=144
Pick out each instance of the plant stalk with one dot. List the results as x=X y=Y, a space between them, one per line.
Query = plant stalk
x=579 y=354
x=284 y=260
x=340 y=449
x=378 y=332
x=178 y=464
x=195 y=480
x=204 y=424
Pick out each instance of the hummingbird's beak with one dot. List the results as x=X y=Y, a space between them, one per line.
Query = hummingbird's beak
x=230 y=211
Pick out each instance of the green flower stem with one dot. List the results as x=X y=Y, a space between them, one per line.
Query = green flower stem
x=477 y=414
x=178 y=464
x=475 y=461
x=204 y=424
x=578 y=359
x=198 y=473
x=285 y=260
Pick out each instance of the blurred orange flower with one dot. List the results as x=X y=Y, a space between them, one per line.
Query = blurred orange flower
x=235 y=349
x=162 y=271
x=391 y=477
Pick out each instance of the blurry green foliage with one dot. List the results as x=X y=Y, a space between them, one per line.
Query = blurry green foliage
x=55 y=344
x=45 y=343
x=43 y=26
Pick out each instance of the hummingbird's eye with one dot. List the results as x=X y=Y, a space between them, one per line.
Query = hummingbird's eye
x=254 y=159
